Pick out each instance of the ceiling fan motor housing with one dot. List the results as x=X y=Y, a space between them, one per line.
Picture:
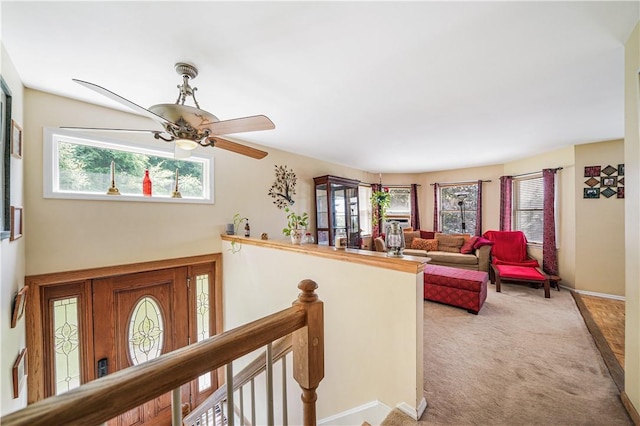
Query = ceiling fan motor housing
x=189 y=70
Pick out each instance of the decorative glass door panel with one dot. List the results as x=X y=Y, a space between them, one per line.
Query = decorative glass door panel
x=66 y=344
x=142 y=316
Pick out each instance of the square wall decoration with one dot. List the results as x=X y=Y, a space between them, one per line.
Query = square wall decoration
x=604 y=181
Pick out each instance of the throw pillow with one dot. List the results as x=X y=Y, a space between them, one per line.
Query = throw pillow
x=449 y=243
x=427 y=235
x=482 y=241
x=467 y=247
x=409 y=236
x=425 y=244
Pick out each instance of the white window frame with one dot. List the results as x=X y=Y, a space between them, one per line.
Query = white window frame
x=50 y=178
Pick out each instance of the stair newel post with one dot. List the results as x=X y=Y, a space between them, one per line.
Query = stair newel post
x=308 y=349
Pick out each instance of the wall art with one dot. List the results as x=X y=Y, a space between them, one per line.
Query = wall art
x=604 y=181
x=16 y=139
x=284 y=187
x=20 y=373
x=19 y=303
x=16 y=223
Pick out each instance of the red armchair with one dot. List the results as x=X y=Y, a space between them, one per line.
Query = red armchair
x=510 y=262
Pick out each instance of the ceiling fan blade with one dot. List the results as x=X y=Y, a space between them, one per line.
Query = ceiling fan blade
x=110 y=129
x=238 y=148
x=109 y=94
x=239 y=125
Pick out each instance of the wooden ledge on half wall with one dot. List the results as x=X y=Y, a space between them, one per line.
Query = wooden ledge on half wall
x=411 y=264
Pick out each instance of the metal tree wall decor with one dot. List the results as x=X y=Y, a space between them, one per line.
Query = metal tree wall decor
x=283 y=187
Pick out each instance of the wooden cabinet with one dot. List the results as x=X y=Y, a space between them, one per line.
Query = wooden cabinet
x=337 y=210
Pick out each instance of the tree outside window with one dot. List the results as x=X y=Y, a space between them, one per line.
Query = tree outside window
x=449 y=210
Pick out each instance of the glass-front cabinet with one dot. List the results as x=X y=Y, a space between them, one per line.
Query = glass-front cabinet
x=337 y=210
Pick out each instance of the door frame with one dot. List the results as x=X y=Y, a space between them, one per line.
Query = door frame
x=34 y=316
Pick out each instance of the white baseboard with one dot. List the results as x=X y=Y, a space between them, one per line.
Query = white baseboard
x=415 y=414
x=373 y=412
x=595 y=294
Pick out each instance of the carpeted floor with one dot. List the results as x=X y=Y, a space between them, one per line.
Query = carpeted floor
x=524 y=360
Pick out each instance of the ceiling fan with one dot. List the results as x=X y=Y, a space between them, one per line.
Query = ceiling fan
x=189 y=127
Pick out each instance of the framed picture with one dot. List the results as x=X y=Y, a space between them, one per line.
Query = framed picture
x=620 y=169
x=19 y=303
x=16 y=223
x=20 y=373
x=609 y=181
x=590 y=171
x=620 y=192
x=591 y=193
x=16 y=139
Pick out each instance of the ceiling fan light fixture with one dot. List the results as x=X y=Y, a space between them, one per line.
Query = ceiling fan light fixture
x=186 y=144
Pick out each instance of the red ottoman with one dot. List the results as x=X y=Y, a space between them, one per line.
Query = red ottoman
x=457 y=287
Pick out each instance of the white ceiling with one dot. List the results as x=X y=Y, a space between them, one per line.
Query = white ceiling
x=379 y=86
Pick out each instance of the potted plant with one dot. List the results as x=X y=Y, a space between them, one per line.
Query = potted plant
x=380 y=202
x=296 y=225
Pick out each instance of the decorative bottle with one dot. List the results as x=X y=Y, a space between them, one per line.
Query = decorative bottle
x=308 y=239
x=146 y=184
x=247 y=229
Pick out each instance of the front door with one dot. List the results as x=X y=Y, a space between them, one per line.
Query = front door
x=137 y=318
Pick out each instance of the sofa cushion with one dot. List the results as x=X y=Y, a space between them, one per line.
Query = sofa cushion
x=469 y=246
x=452 y=258
x=409 y=236
x=422 y=244
x=449 y=243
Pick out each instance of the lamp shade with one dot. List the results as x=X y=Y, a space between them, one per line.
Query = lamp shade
x=186 y=144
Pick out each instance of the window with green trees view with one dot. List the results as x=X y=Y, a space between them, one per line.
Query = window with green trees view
x=83 y=167
x=449 y=210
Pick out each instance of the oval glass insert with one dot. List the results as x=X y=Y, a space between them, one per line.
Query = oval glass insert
x=146 y=331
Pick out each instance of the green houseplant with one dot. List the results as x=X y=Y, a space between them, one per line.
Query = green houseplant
x=296 y=224
x=380 y=202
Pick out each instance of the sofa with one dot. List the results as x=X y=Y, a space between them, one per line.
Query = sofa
x=454 y=250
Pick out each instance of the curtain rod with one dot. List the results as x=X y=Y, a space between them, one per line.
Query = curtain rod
x=533 y=173
x=454 y=183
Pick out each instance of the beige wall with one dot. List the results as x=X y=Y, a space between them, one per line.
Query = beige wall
x=75 y=234
x=12 y=255
x=600 y=247
x=632 y=218
x=373 y=321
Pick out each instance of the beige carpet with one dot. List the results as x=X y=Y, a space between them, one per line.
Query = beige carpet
x=524 y=360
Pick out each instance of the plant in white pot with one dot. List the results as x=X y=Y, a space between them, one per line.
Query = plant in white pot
x=296 y=225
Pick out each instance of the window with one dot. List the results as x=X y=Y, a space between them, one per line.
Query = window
x=400 y=202
x=80 y=167
x=450 y=209
x=366 y=213
x=528 y=207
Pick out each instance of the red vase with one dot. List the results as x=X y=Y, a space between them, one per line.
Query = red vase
x=146 y=184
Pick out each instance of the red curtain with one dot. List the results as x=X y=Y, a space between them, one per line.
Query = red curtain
x=375 y=226
x=549 y=249
x=506 y=200
x=478 y=230
x=436 y=193
x=415 y=213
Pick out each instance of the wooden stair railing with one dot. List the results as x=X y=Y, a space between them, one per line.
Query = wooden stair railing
x=103 y=399
x=280 y=349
